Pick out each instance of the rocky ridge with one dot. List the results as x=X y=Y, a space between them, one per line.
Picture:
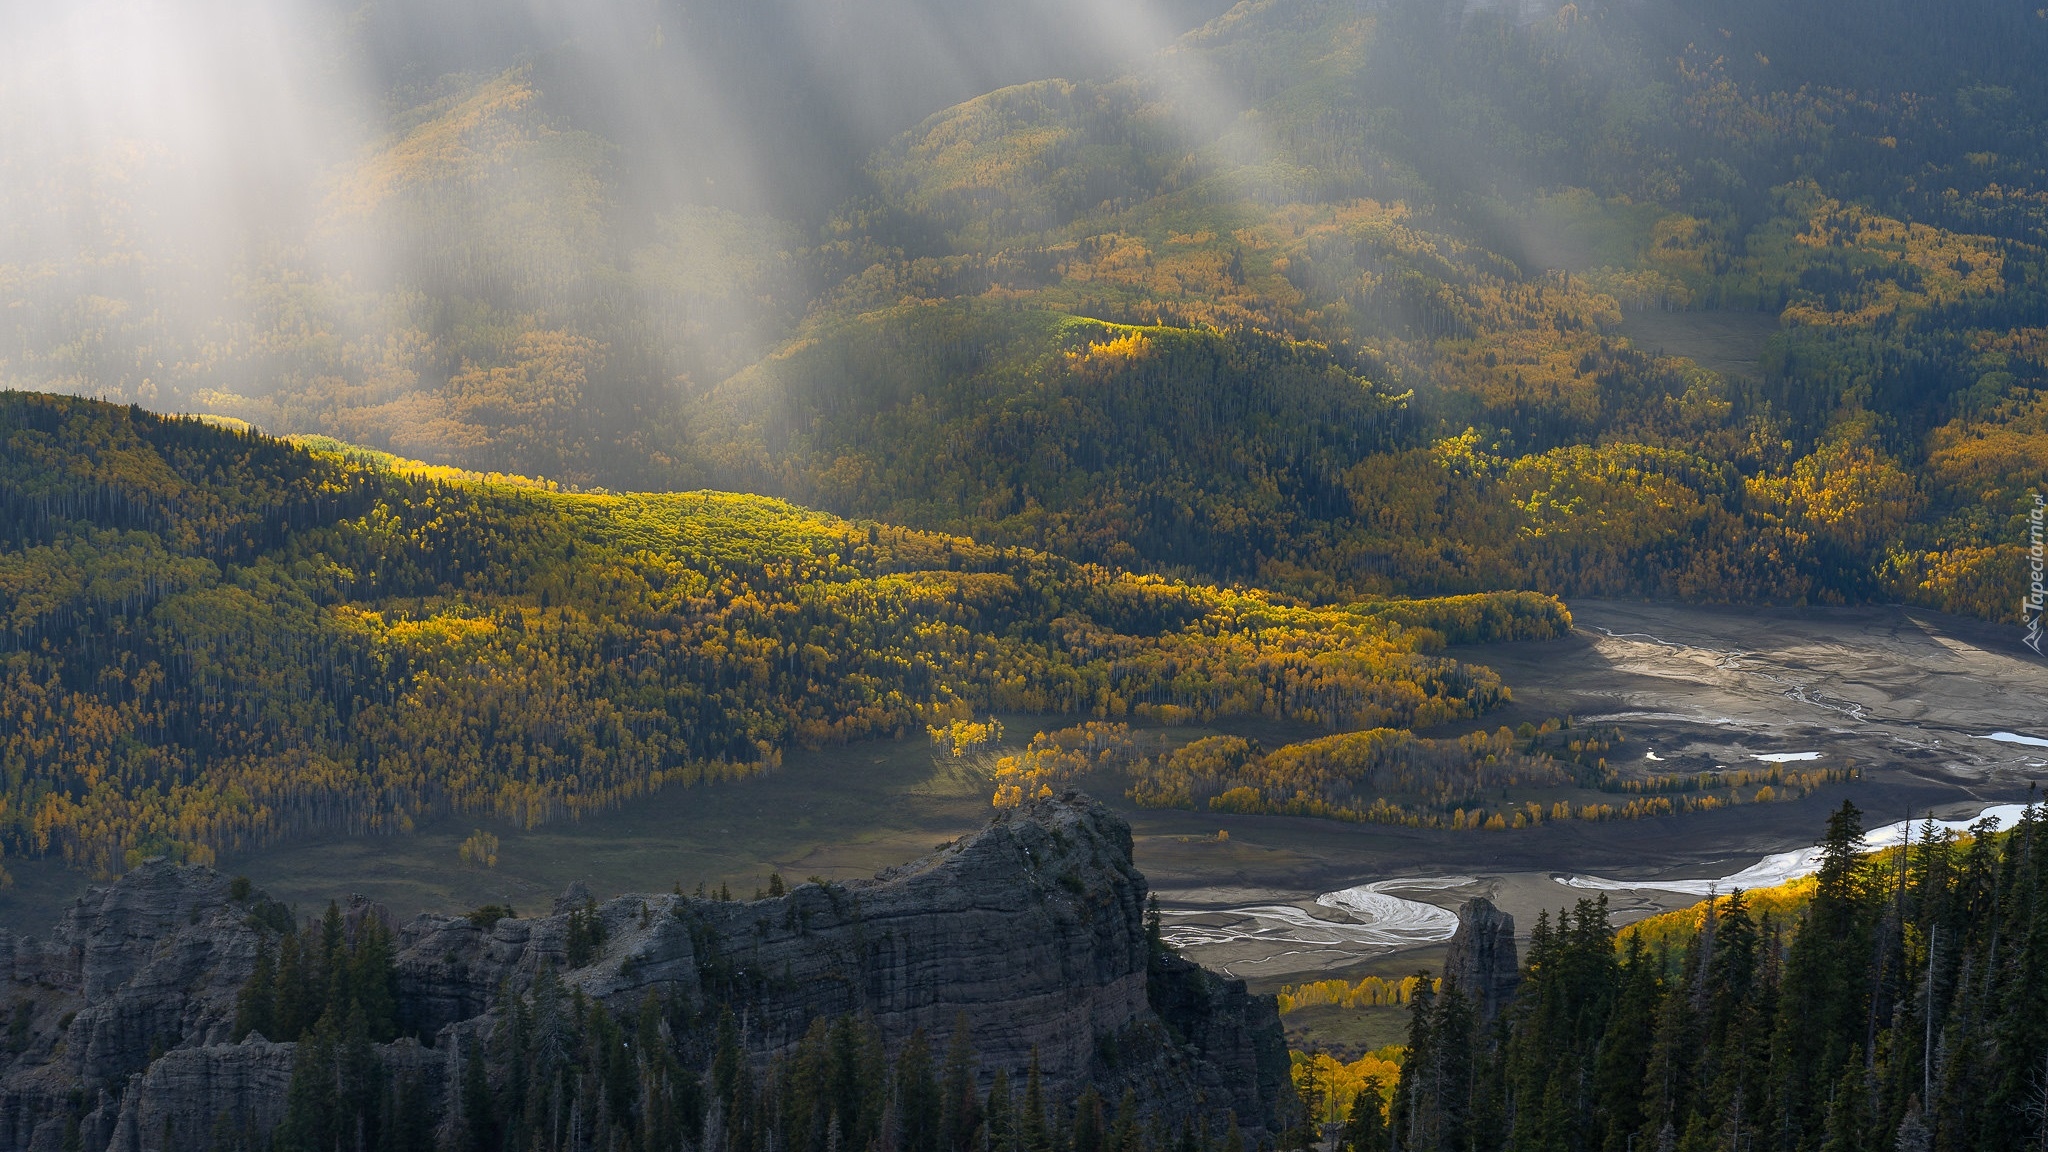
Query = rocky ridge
x=1033 y=931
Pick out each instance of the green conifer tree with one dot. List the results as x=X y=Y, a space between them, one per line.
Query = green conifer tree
x=920 y=1105
x=256 y=1005
x=1034 y=1129
x=960 y=1119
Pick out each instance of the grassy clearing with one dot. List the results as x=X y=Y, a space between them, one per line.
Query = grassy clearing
x=841 y=813
x=1730 y=342
x=1346 y=1033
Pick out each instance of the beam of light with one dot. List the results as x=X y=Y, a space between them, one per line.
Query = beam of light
x=222 y=202
x=151 y=153
x=221 y=114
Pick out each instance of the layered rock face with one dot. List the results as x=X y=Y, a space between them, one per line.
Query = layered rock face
x=133 y=971
x=1482 y=959
x=1032 y=932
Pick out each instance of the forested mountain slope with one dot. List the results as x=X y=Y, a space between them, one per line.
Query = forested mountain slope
x=1342 y=297
x=209 y=639
x=1461 y=207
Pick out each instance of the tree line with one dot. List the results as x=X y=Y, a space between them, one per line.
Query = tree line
x=1898 y=1007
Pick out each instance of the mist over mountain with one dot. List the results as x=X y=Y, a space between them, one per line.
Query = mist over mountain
x=713 y=422
x=233 y=206
x=658 y=246
x=754 y=107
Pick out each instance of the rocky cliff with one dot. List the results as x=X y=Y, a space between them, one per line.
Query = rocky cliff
x=1031 y=931
x=1482 y=959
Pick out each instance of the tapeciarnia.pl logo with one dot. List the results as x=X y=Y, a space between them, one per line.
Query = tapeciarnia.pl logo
x=2037 y=560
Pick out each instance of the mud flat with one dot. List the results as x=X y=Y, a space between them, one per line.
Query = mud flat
x=1940 y=716
x=1904 y=694
x=1336 y=928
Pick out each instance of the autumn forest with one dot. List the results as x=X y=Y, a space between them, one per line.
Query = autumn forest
x=499 y=415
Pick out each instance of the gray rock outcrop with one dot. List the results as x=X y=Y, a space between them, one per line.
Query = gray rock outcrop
x=1482 y=959
x=132 y=971
x=191 y=1096
x=1032 y=931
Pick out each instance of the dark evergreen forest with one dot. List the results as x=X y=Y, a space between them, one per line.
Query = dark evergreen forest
x=1902 y=1008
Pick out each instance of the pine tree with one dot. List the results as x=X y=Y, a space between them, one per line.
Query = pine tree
x=1556 y=1024
x=1090 y=1133
x=256 y=1005
x=331 y=964
x=1625 y=1052
x=1124 y=1133
x=1433 y=1102
x=1674 y=1051
x=1365 y=1128
x=1002 y=1126
x=1411 y=1117
x=411 y=1127
x=373 y=979
x=360 y=1098
x=1822 y=1008
x=960 y=1113
x=296 y=1006
x=479 y=1111
x=920 y=1105
x=857 y=1080
x=313 y=1107
x=727 y=1058
x=1034 y=1131
x=1310 y=1094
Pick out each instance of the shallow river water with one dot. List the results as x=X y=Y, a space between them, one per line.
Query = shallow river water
x=1374 y=918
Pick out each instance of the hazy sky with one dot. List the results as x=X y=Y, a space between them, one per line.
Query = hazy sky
x=155 y=154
